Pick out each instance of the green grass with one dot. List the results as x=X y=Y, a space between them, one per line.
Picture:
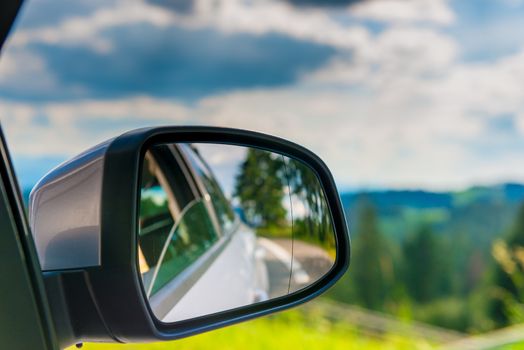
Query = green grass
x=289 y=330
x=516 y=346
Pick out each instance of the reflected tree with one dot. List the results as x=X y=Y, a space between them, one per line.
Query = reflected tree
x=316 y=224
x=265 y=186
x=259 y=188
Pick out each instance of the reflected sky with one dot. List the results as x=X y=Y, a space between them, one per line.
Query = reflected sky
x=391 y=93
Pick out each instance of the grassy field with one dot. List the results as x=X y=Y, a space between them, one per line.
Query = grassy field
x=289 y=330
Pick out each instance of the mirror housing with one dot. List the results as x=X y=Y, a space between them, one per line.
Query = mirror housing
x=83 y=216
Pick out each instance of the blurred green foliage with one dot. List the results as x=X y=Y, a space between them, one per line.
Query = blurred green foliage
x=288 y=330
x=437 y=270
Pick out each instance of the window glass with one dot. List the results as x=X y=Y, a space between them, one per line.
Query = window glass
x=175 y=228
x=224 y=212
x=174 y=175
x=155 y=220
x=194 y=234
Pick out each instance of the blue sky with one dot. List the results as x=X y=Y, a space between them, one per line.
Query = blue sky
x=391 y=93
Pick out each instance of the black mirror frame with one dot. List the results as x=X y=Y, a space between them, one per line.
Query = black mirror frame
x=116 y=287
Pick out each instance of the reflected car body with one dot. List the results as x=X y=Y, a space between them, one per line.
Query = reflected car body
x=192 y=244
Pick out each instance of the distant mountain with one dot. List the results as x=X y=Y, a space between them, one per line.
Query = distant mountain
x=424 y=199
x=406 y=198
x=476 y=215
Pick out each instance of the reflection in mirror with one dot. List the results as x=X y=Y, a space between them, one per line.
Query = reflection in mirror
x=224 y=226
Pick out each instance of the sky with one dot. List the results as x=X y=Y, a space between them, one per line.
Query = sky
x=390 y=93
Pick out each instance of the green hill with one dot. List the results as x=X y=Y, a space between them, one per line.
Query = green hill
x=477 y=214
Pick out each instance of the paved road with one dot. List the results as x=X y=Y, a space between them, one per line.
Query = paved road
x=293 y=265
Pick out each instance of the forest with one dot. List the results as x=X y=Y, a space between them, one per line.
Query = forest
x=451 y=259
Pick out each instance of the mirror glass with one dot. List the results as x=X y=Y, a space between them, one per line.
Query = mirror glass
x=223 y=226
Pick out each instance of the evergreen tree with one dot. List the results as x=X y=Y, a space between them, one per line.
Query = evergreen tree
x=306 y=188
x=260 y=189
x=501 y=279
x=421 y=265
x=370 y=261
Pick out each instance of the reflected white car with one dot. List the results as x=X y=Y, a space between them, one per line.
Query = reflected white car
x=196 y=257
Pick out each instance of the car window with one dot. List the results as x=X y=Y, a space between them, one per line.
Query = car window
x=155 y=219
x=223 y=209
x=192 y=236
x=176 y=175
x=175 y=227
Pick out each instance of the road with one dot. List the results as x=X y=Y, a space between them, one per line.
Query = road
x=293 y=265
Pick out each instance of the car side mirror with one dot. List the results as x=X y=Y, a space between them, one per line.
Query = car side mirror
x=163 y=233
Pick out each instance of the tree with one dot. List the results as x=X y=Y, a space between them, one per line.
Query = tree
x=260 y=189
x=421 y=265
x=371 y=263
x=503 y=278
x=305 y=187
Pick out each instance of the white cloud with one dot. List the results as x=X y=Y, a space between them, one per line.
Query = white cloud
x=263 y=17
x=402 y=11
x=366 y=141
x=137 y=107
x=411 y=51
x=87 y=31
x=400 y=110
x=230 y=16
x=393 y=114
x=67 y=128
x=23 y=70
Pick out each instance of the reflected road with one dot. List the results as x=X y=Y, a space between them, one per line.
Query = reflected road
x=309 y=264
